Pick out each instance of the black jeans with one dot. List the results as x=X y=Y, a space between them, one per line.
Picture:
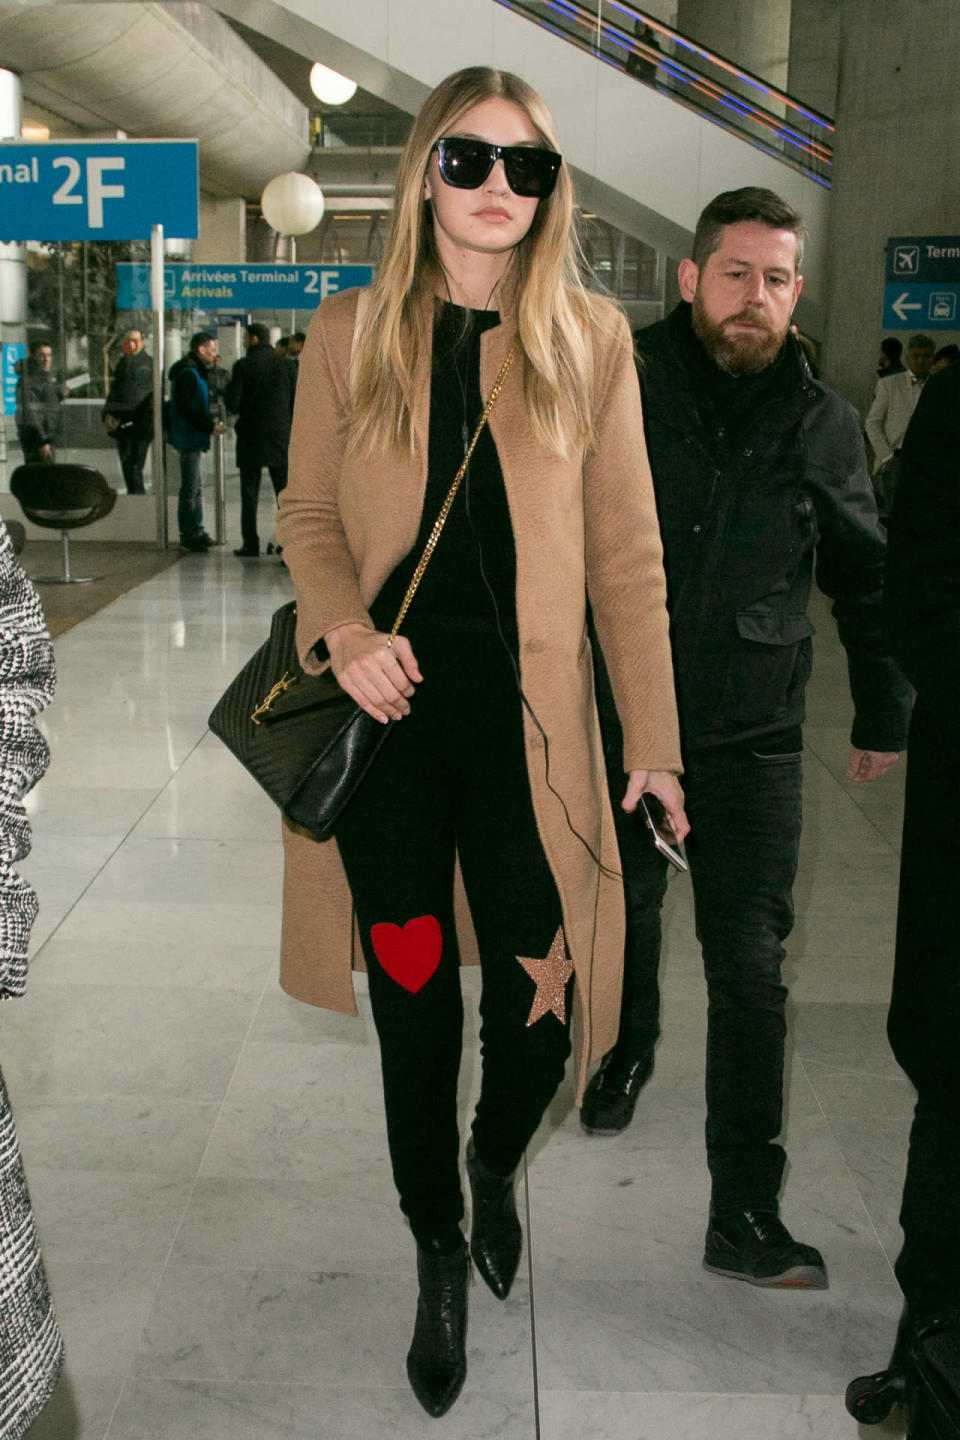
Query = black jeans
x=452 y=780
x=132 y=450
x=924 y=1018
x=745 y=813
x=250 y=496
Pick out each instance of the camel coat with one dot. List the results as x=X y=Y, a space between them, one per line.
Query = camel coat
x=582 y=526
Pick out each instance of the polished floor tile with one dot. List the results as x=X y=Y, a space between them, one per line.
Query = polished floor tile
x=208 y=1157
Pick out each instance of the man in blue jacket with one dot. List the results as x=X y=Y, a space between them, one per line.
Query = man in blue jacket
x=759 y=471
x=191 y=425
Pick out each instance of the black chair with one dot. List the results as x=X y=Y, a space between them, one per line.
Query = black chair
x=62 y=497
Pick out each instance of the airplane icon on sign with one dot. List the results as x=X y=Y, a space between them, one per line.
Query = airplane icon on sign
x=906 y=259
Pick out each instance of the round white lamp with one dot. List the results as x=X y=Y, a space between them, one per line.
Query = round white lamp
x=292 y=204
x=331 y=88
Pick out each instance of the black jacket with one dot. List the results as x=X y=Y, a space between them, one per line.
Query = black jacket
x=923 y=566
x=260 y=394
x=38 y=406
x=750 y=496
x=130 y=399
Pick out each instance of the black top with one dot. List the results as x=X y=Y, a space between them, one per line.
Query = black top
x=475 y=553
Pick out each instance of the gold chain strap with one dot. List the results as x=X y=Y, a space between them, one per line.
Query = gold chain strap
x=434 y=535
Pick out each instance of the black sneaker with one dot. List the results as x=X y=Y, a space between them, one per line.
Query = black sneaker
x=246 y=553
x=197 y=543
x=611 y=1096
x=755 y=1245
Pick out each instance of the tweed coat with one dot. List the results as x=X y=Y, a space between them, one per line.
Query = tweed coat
x=583 y=526
x=31 y=1350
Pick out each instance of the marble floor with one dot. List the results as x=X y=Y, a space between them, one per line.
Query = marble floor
x=207 y=1157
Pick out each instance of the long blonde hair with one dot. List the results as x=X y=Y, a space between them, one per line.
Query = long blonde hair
x=557 y=315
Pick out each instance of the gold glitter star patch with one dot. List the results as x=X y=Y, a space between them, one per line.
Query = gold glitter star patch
x=550 y=975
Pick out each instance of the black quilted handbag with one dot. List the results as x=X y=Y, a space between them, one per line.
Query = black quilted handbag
x=302 y=737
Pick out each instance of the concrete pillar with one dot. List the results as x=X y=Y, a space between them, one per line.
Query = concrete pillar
x=897 y=158
x=815 y=53
x=223 y=231
x=13 y=257
x=755 y=34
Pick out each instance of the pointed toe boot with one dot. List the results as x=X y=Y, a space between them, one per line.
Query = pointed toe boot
x=496 y=1238
x=437 y=1359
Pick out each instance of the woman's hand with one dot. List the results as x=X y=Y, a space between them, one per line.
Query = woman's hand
x=665 y=785
x=379 y=676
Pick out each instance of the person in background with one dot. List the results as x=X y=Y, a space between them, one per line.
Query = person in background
x=888 y=361
x=38 y=404
x=760 y=473
x=946 y=355
x=295 y=344
x=191 y=425
x=128 y=411
x=260 y=394
x=496 y=757
x=894 y=402
x=922 y=597
x=31 y=1349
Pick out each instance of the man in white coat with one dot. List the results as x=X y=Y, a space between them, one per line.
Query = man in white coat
x=893 y=405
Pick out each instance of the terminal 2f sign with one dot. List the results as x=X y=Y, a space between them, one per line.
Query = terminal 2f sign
x=922 y=290
x=98 y=189
x=238 y=286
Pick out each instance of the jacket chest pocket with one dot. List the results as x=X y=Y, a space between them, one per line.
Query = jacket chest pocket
x=769 y=664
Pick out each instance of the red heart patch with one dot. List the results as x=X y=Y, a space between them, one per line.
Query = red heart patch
x=411 y=955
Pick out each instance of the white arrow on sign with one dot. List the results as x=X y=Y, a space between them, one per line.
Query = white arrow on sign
x=900 y=305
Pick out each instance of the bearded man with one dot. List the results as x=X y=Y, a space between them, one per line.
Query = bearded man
x=759 y=471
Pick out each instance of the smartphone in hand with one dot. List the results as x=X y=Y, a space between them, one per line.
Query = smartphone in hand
x=659 y=826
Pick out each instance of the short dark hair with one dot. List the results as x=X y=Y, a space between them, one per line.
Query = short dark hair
x=299 y=335
x=202 y=337
x=258 y=332
x=733 y=207
x=37 y=345
x=892 y=348
x=950 y=353
x=920 y=342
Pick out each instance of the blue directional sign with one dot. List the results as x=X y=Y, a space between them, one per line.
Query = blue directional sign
x=98 y=189
x=12 y=355
x=239 y=286
x=922 y=290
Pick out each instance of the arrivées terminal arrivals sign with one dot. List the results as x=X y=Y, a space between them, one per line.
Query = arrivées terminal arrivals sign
x=922 y=290
x=98 y=189
x=239 y=286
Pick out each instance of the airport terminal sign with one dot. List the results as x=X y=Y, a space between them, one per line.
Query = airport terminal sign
x=922 y=289
x=10 y=358
x=98 y=189
x=238 y=287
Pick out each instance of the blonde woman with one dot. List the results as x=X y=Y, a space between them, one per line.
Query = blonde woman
x=495 y=769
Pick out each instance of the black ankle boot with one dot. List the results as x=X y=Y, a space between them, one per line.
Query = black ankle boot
x=437 y=1360
x=495 y=1238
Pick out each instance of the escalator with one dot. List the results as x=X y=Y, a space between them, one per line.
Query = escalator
x=652 y=53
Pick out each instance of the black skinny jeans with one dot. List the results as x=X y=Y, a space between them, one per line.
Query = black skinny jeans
x=452 y=780
x=745 y=814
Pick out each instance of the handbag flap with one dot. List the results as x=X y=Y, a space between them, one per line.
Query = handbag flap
x=306 y=692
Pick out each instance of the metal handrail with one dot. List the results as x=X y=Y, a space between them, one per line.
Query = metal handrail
x=694 y=76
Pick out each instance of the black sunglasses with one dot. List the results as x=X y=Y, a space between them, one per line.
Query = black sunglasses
x=530 y=169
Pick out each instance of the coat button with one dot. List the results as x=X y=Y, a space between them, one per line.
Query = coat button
x=536 y=741
x=697 y=529
x=535 y=647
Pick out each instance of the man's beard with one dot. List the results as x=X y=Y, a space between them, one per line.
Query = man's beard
x=745 y=353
